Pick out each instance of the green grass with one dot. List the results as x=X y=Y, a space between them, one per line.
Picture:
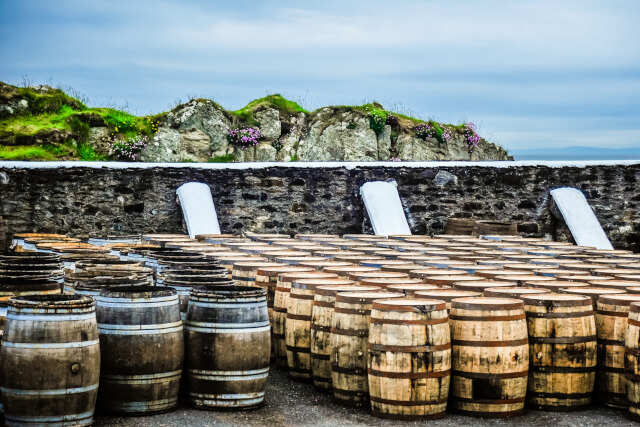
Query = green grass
x=285 y=107
x=226 y=158
x=21 y=152
x=87 y=153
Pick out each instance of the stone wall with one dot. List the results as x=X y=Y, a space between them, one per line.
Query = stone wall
x=85 y=199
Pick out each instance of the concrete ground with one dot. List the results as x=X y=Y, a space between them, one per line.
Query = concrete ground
x=290 y=403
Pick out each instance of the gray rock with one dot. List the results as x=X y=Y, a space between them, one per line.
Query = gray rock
x=270 y=125
x=384 y=143
x=4 y=178
x=99 y=138
x=205 y=116
x=194 y=145
x=265 y=153
x=163 y=148
x=342 y=136
x=443 y=178
x=414 y=148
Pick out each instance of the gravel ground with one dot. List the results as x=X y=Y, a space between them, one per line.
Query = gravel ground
x=290 y=403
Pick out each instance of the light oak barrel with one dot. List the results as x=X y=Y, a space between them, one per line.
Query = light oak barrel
x=322 y=265
x=359 y=276
x=228 y=347
x=611 y=327
x=298 y=325
x=481 y=285
x=384 y=283
x=592 y=292
x=408 y=289
x=349 y=338
x=449 y=280
x=50 y=361
x=514 y=292
x=409 y=363
x=562 y=351
x=280 y=306
x=490 y=357
x=244 y=273
x=320 y=334
x=632 y=361
x=557 y=285
x=446 y=295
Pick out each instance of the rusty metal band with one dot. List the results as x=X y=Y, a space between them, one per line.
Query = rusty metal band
x=320 y=356
x=485 y=376
x=300 y=296
x=410 y=348
x=351 y=332
x=401 y=417
x=561 y=340
x=323 y=304
x=483 y=414
x=298 y=317
x=532 y=314
x=295 y=349
x=633 y=351
x=281 y=289
x=616 y=343
x=409 y=322
x=349 y=371
x=613 y=313
x=634 y=322
x=244 y=279
x=320 y=328
x=357 y=393
x=611 y=370
x=509 y=343
x=409 y=375
x=559 y=395
x=487 y=318
x=483 y=307
x=279 y=309
x=489 y=401
x=352 y=311
x=410 y=308
x=563 y=370
x=408 y=402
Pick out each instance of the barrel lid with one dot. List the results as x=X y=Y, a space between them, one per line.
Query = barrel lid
x=412 y=287
x=377 y=274
x=447 y=294
x=582 y=277
x=276 y=270
x=135 y=292
x=483 y=284
x=350 y=269
x=231 y=260
x=252 y=266
x=287 y=254
x=419 y=305
x=229 y=291
x=335 y=289
x=51 y=301
x=326 y=263
x=621 y=284
x=401 y=268
x=423 y=272
x=558 y=284
x=315 y=283
x=390 y=281
x=487 y=303
x=513 y=292
x=593 y=291
x=292 y=276
x=619 y=299
x=557 y=300
x=385 y=261
x=525 y=278
x=366 y=297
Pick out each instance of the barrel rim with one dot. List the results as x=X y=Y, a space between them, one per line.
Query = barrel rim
x=393 y=304
x=487 y=303
x=51 y=301
x=140 y=291
x=368 y=297
x=558 y=300
x=330 y=290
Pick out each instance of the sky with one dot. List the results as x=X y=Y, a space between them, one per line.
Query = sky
x=530 y=74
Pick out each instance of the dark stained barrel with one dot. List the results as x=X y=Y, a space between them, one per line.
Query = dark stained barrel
x=50 y=361
x=228 y=347
x=142 y=349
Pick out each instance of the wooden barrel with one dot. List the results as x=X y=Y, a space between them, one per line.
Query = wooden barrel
x=562 y=351
x=321 y=265
x=298 y=325
x=280 y=306
x=557 y=285
x=345 y=271
x=228 y=347
x=490 y=357
x=141 y=348
x=184 y=284
x=460 y=226
x=615 y=284
x=50 y=361
x=446 y=295
x=592 y=292
x=349 y=340
x=632 y=361
x=409 y=289
x=244 y=273
x=518 y=292
x=228 y=260
x=449 y=280
x=481 y=285
x=499 y=228
x=320 y=334
x=611 y=328
x=523 y=279
x=383 y=283
x=359 y=276
x=409 y=362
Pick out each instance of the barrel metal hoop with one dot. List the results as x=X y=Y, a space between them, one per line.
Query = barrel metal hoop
x=614 y=343
x=487 y=318
x=562 y=340
x=611 y=369
x=323 y=304
x=300 y=296
x=105 y=327
x=52 y=392
x=14 y=420
x=409 y=322
x=633 y=351
x=258 y=302
x=408 y=402
x=350 y=371
x=147 y=378
x=127 y=331
x=409 y=348
x=279 y=309
x=489 y=401
x=295 y=349
x=613 y=313
x=298 y=317
x=117 y=302
x=50 y=317
x=357 y=393
x=633 y=322
x=508 y=343
x=249 y=375
x=543 y=395
x=144 y=406
x=243 y=279
x=320 y=328
x=72 y=344
x=533 y=314
x=488 y=376
x=258 y=395
x=191 y=323
x=351 y=332
x=209 y=330
x=409 y=375
x=320 y=356
x=562 y=369
x=351 y=311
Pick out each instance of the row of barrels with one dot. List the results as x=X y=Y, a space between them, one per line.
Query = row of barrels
x=63 y=353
